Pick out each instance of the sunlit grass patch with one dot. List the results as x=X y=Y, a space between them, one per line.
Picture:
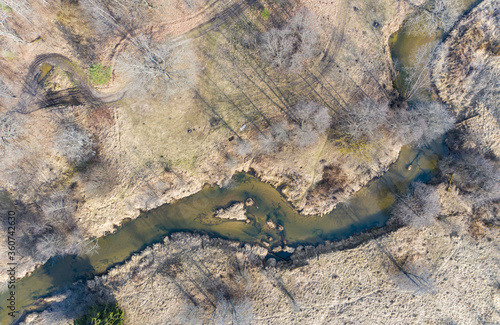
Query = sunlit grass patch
x=265 y=14
x=99 y=74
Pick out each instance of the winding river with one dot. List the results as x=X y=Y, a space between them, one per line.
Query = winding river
x=367 y=209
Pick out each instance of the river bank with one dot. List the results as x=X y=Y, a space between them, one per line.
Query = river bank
x=465 y=75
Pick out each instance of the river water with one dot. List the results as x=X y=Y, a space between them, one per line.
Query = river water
x=368 y=208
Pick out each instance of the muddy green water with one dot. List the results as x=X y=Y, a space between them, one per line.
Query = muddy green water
x=406 y=43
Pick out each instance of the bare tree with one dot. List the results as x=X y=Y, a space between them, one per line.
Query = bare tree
x=74 y=144
x=476 y=176
x=102 y=17
x=438 y=120
x=50 y=229
x=305 y=136
x=364 y=120
x=228 y=312
x=280 y=132
x=290 y=47
x=422 y=123
x=313 y=120
x=407 y=127
x=49 y=244
x=117 y=17
x=273 y=138
x=315 y=115
x=243 y=148
x=55 y=242
x=192 y=4
x=10 y=128
x=21 y=8
x=278 y=46
x=100 y=178
x=419 y=207
x=88 y=246
x=448 y=11
x=58 y=210
x=6 y=30
x=416 y=76
x=160 y=69
x=266 y=144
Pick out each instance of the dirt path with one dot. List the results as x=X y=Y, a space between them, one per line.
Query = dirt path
x=32 y=97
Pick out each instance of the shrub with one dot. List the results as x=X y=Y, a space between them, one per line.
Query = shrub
x=290 y=47
x=333 y=180
x=74 y=144
x=363 y=122
x=103 y=314
x=99 y=74
x=158 y=69
x=419 y=207
x=265 y=14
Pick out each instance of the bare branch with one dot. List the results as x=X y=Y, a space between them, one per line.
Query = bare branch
x=158 y=69
x=438 y=120
x=74 y=144
x=19 y=7
x=6 y=29
x=364 y=120
x=419 y=207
